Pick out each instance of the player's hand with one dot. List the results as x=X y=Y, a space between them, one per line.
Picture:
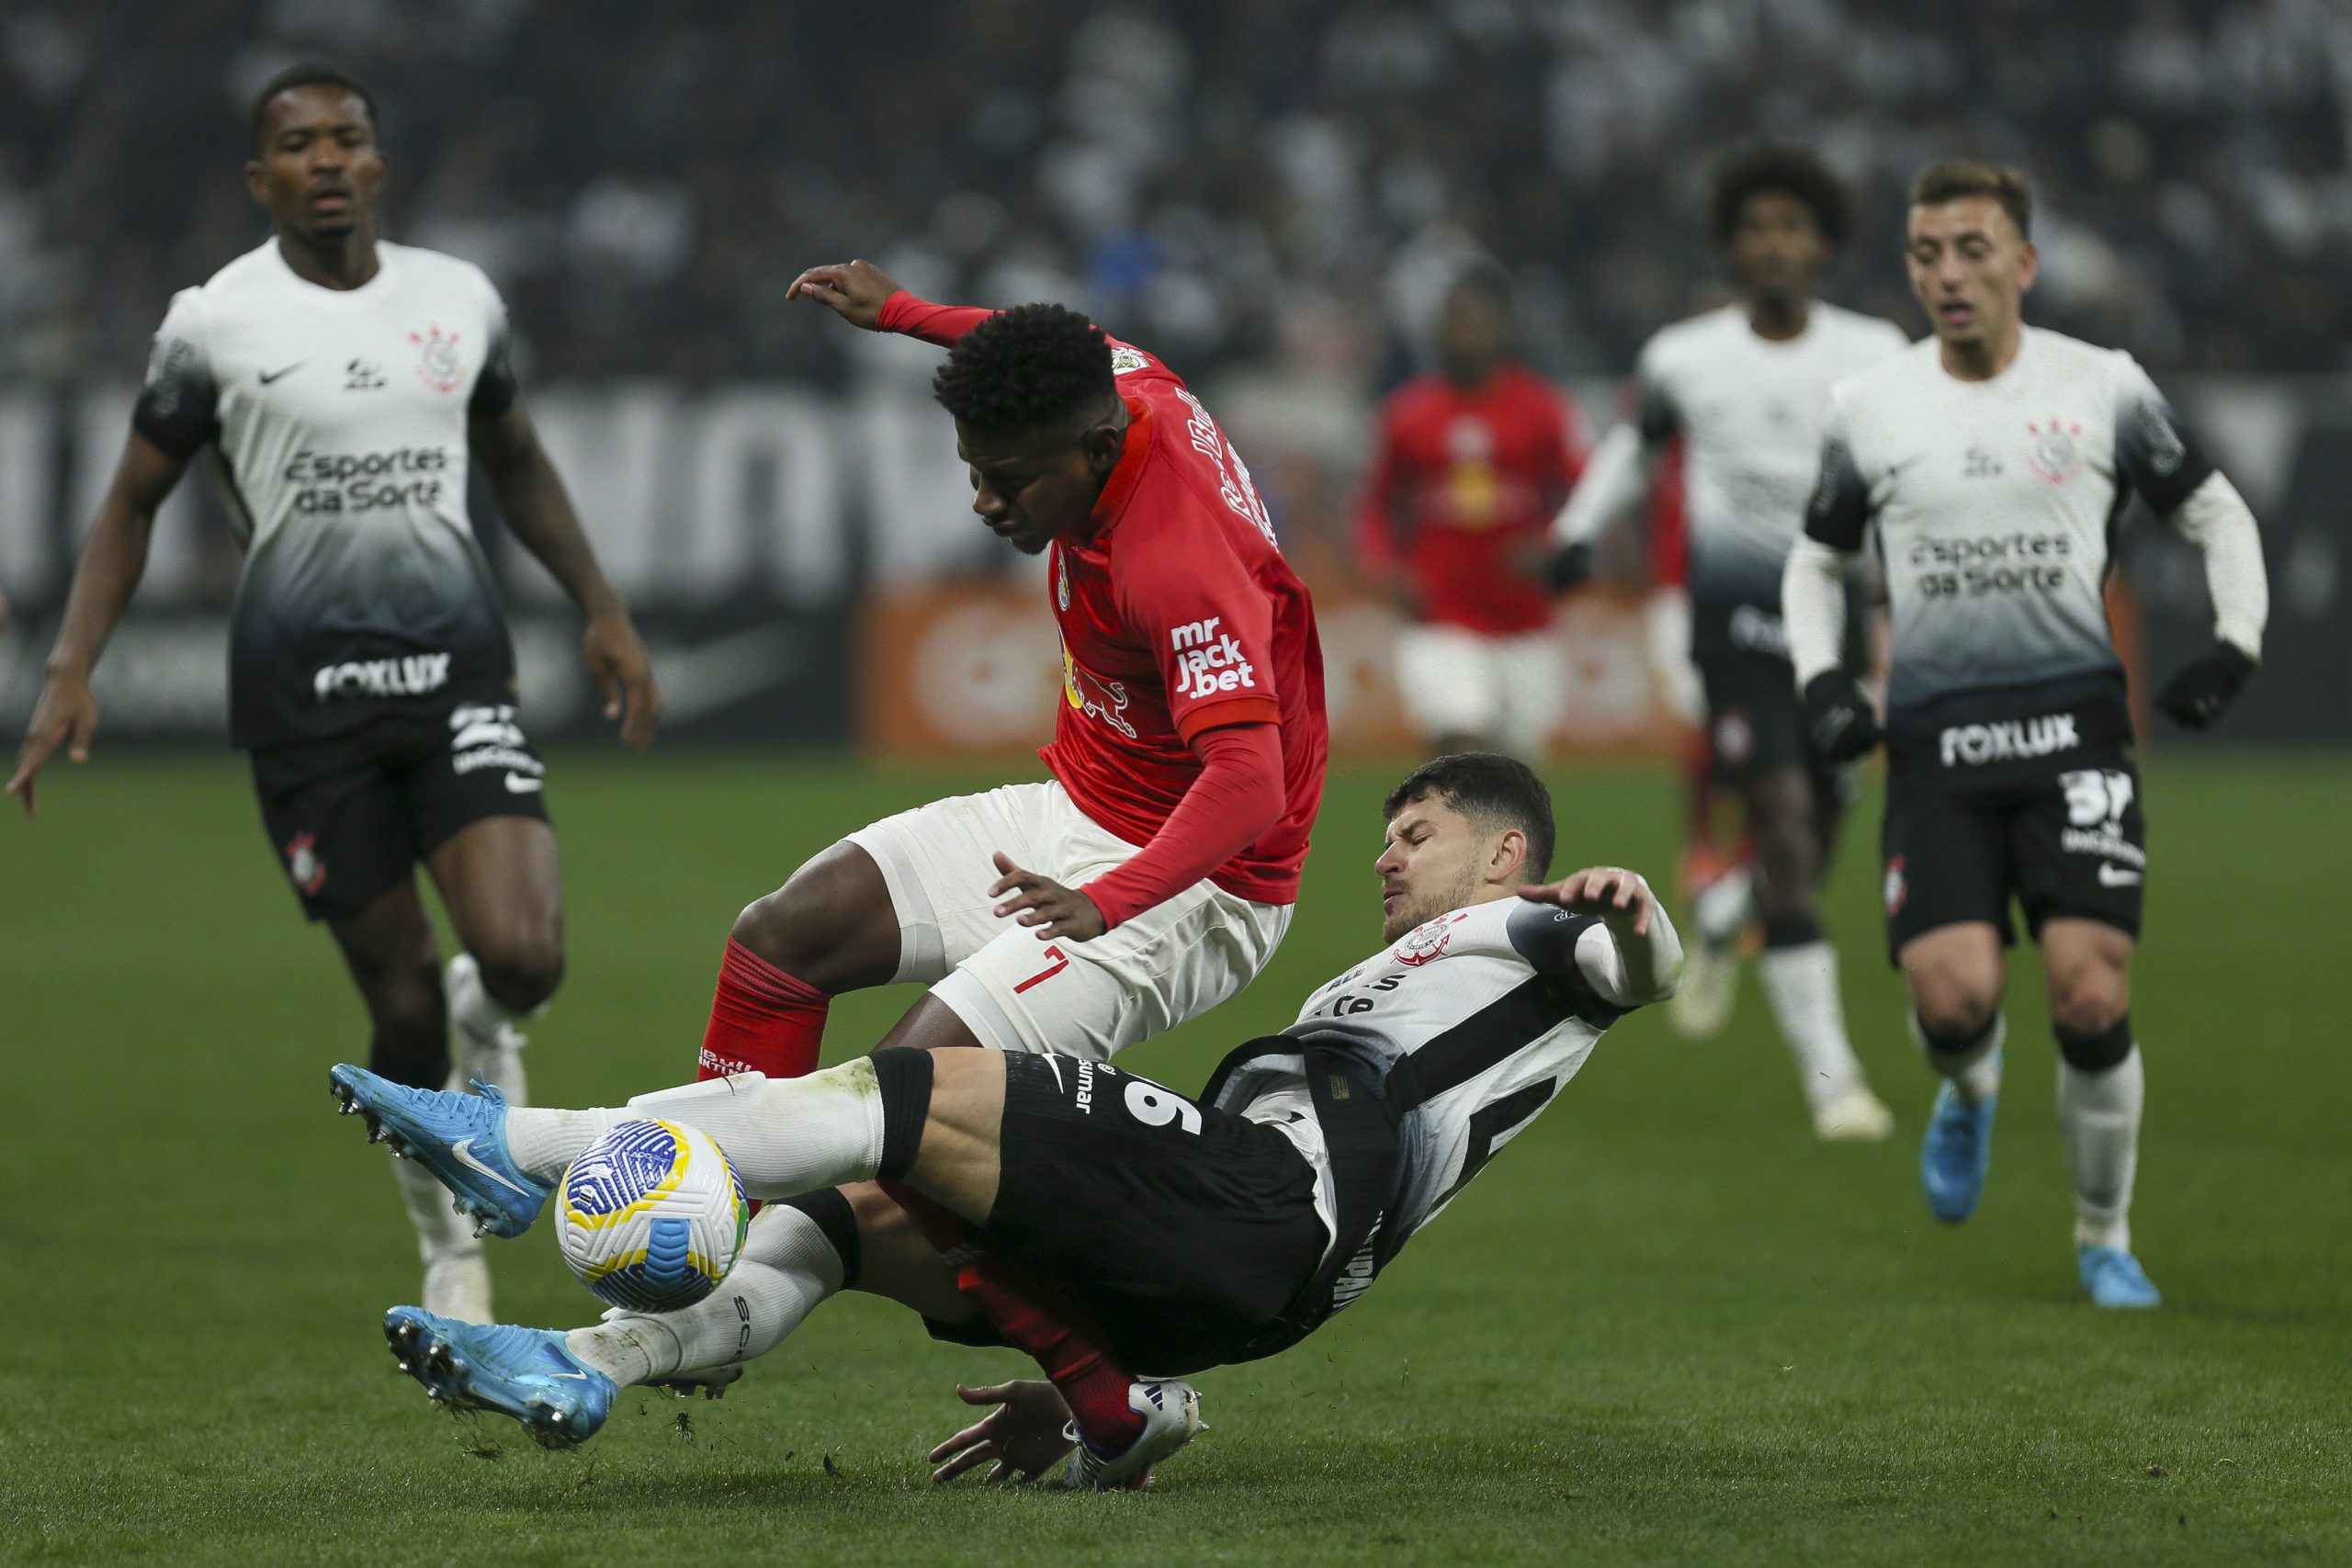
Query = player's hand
x=1838 y=715
x=65 y=716
x=2196 y=695
x=1059 y=913
x=1024 y=1436
x=1568 y=567
x=1610 y=892
x=616 y=659
x=855 y=289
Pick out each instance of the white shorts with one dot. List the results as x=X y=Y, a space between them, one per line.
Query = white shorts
x=1511 y=692
x=1092 y=999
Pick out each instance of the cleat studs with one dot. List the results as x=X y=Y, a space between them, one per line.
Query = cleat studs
x=482 y=1229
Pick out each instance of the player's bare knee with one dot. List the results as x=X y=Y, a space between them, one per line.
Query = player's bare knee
x=1954 y=1008
x=829 y=926
x=522 y=969
x=2087 y=1002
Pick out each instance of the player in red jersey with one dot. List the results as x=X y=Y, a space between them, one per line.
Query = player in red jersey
x=1472 y=461
x=1153 y=875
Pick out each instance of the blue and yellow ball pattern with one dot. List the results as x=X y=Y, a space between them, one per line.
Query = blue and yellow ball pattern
x=652 y=1216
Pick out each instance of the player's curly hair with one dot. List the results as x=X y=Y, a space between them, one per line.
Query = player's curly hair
x=1028 y=368
x=1791 y=171
x=311 y=75
x=1492 y=790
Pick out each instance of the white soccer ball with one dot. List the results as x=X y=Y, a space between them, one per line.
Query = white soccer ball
x=651 y=1217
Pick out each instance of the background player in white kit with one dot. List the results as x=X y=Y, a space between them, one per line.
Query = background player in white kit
x=1995 y=459
x=1200 y=1231
x=342 y=385
x=1744 y=386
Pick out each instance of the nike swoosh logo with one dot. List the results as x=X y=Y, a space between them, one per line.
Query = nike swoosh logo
x=269 y=376
x=518 y=785
x=2108 y=876
x=462 y=1151
x=581 y=1377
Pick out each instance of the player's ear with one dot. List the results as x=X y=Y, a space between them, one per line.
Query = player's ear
x=1102 y=444
x=1509 y=853
x=2032 y=266
x=253 y=186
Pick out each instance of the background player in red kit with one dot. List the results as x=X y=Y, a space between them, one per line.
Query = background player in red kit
x=1153 y=876
x=1472 y=460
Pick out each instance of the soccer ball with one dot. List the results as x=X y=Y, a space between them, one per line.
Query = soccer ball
x=651 y=1217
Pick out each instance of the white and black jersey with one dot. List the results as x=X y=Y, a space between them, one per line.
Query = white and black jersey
x=1749 y=412
x=1996 y=503
x=1465 y=1030
x=339 y=422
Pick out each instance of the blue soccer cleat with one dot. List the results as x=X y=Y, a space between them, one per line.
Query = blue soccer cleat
x=1958 y=1152
x=522 y=1372
x=2114 y=1277
x=461 y=1138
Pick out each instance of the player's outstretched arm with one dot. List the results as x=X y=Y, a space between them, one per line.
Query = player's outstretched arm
x=864 y=296
x=111 y=563
x=1648 y=952
x=855 y=290
x=538 y=512
x=1024 y=1436
x=2216 y=519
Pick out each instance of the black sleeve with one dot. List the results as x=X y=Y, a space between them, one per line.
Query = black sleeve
x=496 y=388
x=1841 y=509
x=2154 y=451
x=1547 y=937
x=178 y=407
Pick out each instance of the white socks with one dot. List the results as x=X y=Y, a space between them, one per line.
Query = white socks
x=1802 y=983
x=2100 y=1115
x=787 y=1268
x=1723 y=908
x=783 y=1136
x=483 y=1041
x=1975 y=1071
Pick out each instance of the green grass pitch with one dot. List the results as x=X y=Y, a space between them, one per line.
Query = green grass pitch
x=1664 y=1327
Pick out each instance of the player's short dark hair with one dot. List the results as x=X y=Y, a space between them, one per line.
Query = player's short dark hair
x=1032 y=367
x=1491 y=789
x=1789 y=171
x=309 y=74
x=1958 y=177
x=1483 y=281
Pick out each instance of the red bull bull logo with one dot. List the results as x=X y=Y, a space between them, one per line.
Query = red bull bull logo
x=1090 y=693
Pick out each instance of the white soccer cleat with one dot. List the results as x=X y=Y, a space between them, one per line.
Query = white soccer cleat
x=1701 y=1005
x=456 y=1284
x=1857 y=1116
x=1171 y=1418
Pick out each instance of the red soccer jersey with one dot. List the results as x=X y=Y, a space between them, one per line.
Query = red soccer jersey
x=1178 y=614
x=1461 y=493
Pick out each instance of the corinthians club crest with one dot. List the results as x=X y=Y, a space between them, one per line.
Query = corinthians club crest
x=1426 y=943
x=2056 y=454
x=437 y=364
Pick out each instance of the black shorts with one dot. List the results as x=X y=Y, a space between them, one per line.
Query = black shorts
x=1188 y=1230
x=1756 y=726
x=2024 y=795
x=351 y=814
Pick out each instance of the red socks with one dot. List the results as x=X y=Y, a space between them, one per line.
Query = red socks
x=762 y=1020
x=1037 y=1313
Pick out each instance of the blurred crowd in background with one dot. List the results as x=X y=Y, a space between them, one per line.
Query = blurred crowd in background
x=1232 y=182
